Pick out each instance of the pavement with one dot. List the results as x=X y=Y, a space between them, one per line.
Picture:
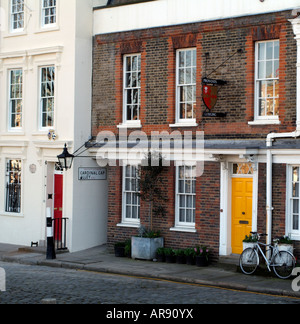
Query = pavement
x=100 y=259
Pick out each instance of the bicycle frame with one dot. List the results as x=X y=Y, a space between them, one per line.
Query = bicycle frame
x=274 y=250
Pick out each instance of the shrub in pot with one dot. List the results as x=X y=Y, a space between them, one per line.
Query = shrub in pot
x=160 y=255
x=285 y=244
x=249 y=242
x=128 y=248
x=120 y=249
x=180 y=256
x=202 y=256
x=190 y=256
x=170 y=257
x=150 y=183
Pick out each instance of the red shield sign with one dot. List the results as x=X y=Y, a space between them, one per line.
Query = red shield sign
x=209 y=95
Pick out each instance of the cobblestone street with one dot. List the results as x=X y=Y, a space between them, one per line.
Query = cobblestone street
x=30 y=284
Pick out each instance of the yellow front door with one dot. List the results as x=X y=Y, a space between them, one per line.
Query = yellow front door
x=242 y=192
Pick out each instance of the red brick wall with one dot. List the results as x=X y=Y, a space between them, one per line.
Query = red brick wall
x=207 y=210
x=220 y=39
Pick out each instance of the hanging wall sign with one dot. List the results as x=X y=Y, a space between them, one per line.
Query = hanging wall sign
x=210 y=96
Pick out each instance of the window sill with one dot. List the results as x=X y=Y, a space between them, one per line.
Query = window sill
x=183 y=229
x=265 y=122
x=132 y=225
x=184 y=124
x=295 y=237
x=130 y=125
x=15 y=34
x=8 y=214
x=45 y=29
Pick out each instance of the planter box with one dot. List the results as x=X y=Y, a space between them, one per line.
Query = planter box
x=145 y=248
x=286 y=247
x=248 y=245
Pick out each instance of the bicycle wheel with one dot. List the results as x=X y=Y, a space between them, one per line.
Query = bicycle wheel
x=284 y=264
x=249 y=261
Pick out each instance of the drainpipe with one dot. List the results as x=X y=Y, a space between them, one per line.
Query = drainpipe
x=271 y=137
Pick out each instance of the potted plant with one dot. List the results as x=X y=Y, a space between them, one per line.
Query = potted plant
x=120 y=249
x=249 y=241
x=202 y=256
x=285 y=244
x=170 y=257
x=190 y=256
x=146 y=244
x=160 y=255
x=128 y=248
x=180 y=256
x=151 y=184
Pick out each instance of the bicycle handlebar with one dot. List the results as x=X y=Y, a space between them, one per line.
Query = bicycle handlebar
x=259 y=235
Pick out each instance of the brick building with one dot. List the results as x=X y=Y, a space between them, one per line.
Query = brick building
x=148 y=76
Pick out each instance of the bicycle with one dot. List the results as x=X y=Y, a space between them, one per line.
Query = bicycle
x=282 y=262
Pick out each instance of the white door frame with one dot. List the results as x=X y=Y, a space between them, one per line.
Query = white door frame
x=225 y=204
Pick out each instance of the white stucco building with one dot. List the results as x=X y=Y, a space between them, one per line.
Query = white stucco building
x=45 y=102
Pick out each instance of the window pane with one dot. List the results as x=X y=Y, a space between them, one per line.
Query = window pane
x=276 y=69
x=262 y=107
x=261 y=70
x=296 y=206
x=270 y=107
x=269 y=70
x=261 y=51
x=269 y=53
x=296 y=222
x=181 y=59
x=188 y=215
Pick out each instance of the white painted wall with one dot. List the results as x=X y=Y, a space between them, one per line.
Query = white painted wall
x=69 y=47
x=172 y=12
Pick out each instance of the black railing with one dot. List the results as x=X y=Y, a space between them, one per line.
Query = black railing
x=60 y=233
x=13 y=198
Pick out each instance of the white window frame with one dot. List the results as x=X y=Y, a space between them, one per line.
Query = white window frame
x=12 y=99
x=17 y=15
x=290 y=231
x=129 y=221
x=44 y=9
x=275 y=79
x=129 y=122
x=187 y=83
x=179 y=225
x=51 y=97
